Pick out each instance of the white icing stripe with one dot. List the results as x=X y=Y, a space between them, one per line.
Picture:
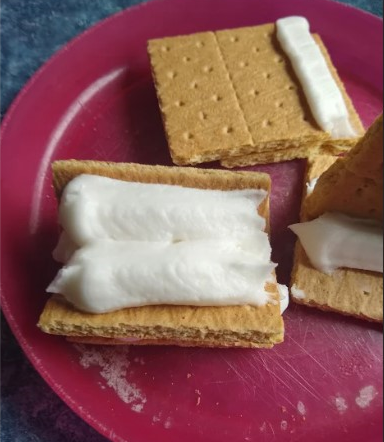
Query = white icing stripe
x=321 y=90
x=109 y=275
x=94 y=207
x=131 y=244
x=335 y=240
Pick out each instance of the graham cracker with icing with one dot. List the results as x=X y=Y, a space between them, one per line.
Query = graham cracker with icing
x=233 y=96
x=235 y=326
x=352 y=292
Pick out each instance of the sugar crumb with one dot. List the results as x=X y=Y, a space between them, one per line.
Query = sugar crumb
x=366 y=396
x=301 y=408
x=341 y=404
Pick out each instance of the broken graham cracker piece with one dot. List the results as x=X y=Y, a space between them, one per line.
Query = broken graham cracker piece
x=240 y=99
x=354 y=184
x=348 y=291
x=235 y=326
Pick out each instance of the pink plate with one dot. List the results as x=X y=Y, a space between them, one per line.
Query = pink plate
x=95 y=100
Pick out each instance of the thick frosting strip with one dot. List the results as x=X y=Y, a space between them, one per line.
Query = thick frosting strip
x=335 y=240
x=108 y=275
x=94 y=207
x=321 y=90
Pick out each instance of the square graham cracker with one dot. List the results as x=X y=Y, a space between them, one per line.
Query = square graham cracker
x=350 y=292
x=234 y=326
x=233 y=96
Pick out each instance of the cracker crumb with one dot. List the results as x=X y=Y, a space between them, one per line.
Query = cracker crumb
x=366 y=396
x=301 y=408
x=341 y=404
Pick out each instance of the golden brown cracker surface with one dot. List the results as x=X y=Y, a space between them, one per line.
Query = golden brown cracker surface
x=201 y=114
x=354 y=184
x=245 y=326
x=233 y=75
x=287 y=154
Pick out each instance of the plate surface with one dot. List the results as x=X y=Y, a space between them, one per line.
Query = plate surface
x=95 y=100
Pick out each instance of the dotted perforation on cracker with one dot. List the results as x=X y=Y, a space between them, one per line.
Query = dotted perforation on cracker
x=267 y=124
x=196 y=97
x=233 y=93
x=242 y=64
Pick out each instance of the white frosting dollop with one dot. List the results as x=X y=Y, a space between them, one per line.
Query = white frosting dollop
x=335 y=240
x=321 y=90
x=95 y=207
x=107 y=275
x=130 y=244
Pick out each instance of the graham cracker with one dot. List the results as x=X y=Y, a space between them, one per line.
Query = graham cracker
x=351 y=292
x=286 y=154
x=240 y=98
x=354 y=184
x=206 y=343
x=238 y=326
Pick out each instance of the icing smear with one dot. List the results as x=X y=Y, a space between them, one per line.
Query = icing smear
x=128 y=244
x=335 y=240
x=109 y=275
x=95 y=207
x=321 y=90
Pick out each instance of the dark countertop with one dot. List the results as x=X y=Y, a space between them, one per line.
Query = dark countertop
x=31 y=31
